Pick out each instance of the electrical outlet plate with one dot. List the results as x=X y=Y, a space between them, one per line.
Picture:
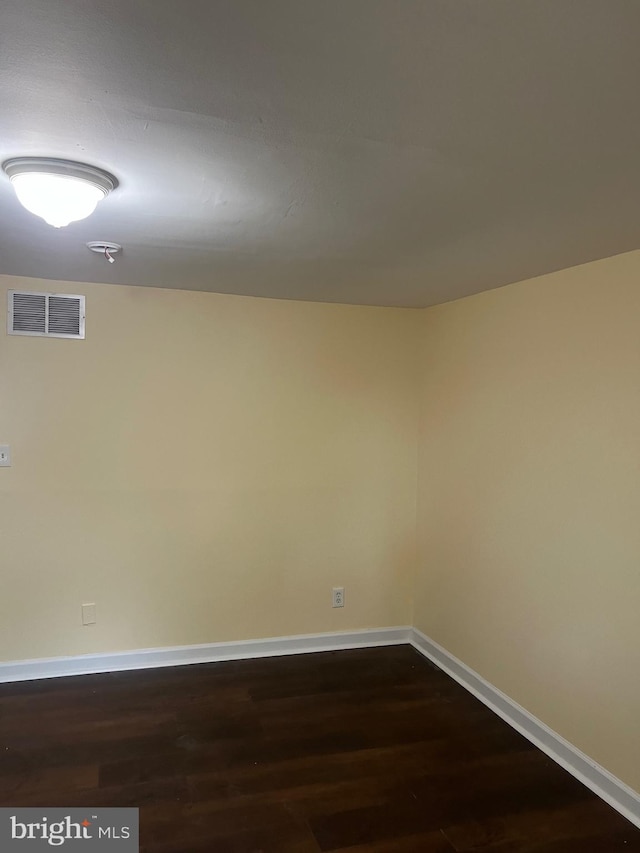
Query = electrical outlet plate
x=338 y=596
x=88 y=614
x=5 y=456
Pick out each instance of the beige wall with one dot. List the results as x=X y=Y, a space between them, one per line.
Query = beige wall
x=205 y=468
x=529 y=503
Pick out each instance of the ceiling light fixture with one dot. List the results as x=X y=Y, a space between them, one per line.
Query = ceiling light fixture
x=59 y=191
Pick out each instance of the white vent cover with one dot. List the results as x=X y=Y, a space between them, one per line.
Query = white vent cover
x=51 y=315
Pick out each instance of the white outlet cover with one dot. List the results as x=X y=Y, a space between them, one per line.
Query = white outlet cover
x=5 y=456
x=88 y=614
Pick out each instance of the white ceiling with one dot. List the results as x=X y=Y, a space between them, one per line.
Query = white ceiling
x=391 y=152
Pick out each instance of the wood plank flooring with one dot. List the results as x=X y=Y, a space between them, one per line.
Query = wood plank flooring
x=371 y=750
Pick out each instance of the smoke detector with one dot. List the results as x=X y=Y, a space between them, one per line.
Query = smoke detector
x=101 y=247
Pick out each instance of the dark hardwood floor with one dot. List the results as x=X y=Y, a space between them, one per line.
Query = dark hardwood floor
x=369 y=750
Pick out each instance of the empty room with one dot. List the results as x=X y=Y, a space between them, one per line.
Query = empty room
x=319 y=426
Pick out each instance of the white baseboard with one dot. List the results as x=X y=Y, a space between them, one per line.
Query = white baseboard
x=27 y=670
x=612 y=790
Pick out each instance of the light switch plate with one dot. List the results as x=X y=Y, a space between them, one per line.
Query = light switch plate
x=5 y=456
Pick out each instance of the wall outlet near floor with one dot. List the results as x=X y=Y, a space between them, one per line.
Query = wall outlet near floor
x=5 y=456
x=338 y=596
x=88 y=614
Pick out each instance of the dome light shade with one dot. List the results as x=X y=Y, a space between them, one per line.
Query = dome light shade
x=59 y=191
x=57 y=199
